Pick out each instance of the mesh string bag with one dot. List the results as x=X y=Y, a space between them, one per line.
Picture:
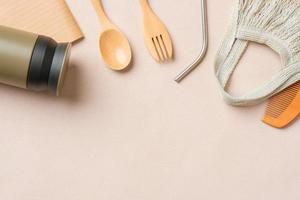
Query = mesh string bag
x=275 y=23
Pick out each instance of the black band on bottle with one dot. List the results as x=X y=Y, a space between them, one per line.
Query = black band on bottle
x=40 y=64
x=59 y=67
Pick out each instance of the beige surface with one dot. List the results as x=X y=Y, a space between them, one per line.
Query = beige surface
x=37 y=16
x=139 y=135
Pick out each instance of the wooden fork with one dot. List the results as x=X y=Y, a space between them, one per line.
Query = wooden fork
x=157 y=38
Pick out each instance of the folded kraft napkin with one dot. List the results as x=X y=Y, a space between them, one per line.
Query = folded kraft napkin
x=275 y=23
x=45 y=17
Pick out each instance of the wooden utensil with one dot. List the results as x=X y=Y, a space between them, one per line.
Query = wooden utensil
x=157 y=38
x=114 y=46
x=284 y=107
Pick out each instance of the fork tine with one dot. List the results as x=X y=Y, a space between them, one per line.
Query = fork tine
x=168 y=44
x=164 y=47
x=158 y=48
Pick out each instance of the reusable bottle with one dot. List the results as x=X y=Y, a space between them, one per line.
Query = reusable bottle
x=32 y=61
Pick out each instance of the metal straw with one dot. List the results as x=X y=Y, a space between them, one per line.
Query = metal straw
x=202 y=54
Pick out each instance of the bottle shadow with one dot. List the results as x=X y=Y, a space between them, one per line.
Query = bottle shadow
x=71 y=93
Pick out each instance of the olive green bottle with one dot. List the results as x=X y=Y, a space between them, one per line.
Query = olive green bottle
x=32 y=61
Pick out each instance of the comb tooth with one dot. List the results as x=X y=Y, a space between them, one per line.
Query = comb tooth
x=284 y=107
x=286 y=95
x=277 y=110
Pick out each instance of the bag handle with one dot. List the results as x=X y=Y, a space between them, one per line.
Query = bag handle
x=226 y=63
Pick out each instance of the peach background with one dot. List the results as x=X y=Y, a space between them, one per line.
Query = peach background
x=140 y=136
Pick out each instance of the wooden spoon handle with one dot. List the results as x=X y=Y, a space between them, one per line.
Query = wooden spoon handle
x=100 y=12
x=145 y=5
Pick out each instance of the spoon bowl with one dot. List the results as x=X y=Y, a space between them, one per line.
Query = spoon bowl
x=114 y=46
x=115 y=49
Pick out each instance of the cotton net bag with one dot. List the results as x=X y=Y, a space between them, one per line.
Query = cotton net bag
x=275 y=23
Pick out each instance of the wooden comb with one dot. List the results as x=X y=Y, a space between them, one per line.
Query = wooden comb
x=284 y=107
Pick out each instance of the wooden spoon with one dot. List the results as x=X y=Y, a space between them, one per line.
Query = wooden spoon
x=114 y=46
